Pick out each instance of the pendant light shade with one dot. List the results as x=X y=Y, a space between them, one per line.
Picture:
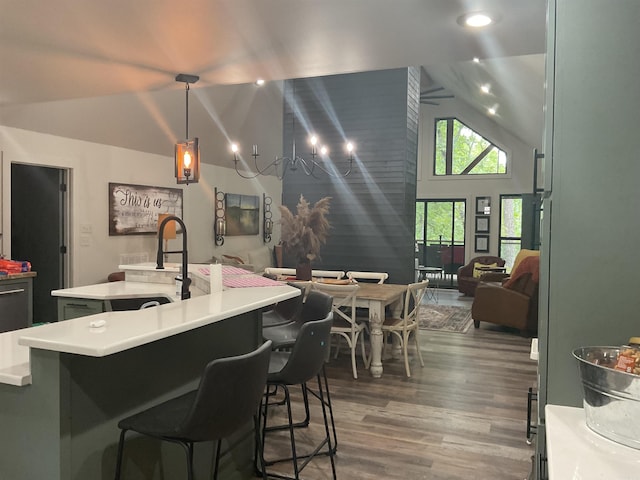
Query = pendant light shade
x=187 y=160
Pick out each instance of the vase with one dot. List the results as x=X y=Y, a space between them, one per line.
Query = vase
x=303 y=270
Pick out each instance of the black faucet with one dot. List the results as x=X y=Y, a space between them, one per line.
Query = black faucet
x=186 y=281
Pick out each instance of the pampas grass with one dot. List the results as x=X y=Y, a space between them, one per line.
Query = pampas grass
x=304 y=233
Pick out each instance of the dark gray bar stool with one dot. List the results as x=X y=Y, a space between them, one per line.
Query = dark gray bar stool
x=305 y=361
x=228 y=397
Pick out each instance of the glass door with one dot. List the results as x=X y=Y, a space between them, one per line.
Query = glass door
x=510 y=240
x=440 y=232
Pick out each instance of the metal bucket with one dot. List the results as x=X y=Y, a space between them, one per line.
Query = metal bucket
x=611 y=397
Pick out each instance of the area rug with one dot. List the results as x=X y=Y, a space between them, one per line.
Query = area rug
x=445 y=318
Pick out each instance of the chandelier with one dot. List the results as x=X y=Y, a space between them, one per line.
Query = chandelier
x=281 y=165
x=316 y=162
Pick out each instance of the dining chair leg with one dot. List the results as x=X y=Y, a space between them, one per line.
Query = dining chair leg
x=415 y=339
x=352 y=345
x=405 y=350
x=365 y=359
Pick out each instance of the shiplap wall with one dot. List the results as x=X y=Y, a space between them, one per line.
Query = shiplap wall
x=373 y=209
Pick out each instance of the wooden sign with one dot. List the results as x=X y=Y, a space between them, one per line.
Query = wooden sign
x=134 y=209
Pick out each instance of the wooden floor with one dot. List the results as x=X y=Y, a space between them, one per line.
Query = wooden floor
x=462 y=416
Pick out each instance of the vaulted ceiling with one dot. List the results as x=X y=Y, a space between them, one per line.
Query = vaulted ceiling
x=105 y=54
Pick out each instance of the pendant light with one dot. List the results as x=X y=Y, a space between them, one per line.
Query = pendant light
x=187 y=152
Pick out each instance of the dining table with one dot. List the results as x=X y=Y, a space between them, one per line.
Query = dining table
x=375 y=297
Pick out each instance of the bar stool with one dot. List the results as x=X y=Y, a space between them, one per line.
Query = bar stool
x=305 y=361
x=317 y=306
x=228 y=396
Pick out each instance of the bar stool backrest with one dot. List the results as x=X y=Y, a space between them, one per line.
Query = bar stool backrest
x=308 y=354
x=228 y=396
x=316 y=307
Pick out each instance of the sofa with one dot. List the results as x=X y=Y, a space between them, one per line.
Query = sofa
x=469 y=275
x=512 y=303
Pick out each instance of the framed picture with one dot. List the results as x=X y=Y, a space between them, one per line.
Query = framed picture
x=482 y=243
x=482 y=224
x=242 y=214
x=483 y=205
x=134 y=209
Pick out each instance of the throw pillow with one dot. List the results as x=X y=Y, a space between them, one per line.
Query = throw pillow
x=522 y=254
x=477 y=268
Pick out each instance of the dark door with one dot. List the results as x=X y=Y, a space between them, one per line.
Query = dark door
x=37 y=231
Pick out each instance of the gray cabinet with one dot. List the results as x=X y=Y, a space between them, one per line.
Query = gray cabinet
x=69 y=308
x=16 y=304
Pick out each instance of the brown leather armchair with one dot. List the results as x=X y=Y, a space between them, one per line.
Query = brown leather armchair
x=514 y=303
x=467 y=283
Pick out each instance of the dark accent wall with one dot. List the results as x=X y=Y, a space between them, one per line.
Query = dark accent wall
x=373 y=209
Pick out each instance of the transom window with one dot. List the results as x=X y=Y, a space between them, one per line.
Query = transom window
x=462 y=151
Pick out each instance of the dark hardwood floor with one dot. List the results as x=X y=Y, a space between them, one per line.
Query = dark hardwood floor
x=462 y=416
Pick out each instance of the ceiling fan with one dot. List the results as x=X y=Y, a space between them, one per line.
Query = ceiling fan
x=428 y=96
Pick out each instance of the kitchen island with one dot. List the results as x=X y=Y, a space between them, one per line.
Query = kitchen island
x=59 y=413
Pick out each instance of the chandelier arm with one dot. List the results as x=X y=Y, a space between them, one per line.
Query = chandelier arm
x=333 y=174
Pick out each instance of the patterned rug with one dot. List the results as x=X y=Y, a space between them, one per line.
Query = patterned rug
x=445 y=318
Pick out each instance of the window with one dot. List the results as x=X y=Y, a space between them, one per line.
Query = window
x=510 y=240
x=459 y=150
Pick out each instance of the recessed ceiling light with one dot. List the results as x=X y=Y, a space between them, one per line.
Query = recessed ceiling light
x=491 y=111
x=486 y=88
x=476 y=60
x=260 y=82
x=476 y=19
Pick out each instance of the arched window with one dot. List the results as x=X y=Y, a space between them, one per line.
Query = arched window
x=462 y=151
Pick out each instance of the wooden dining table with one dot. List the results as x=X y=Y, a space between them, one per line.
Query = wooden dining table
x=375 y=297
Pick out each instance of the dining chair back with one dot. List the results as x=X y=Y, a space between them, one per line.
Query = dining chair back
x=228 y=396
x=345 y=322
x=379 y=276
x=337 y=274
x=408 y=323
x=280 y=271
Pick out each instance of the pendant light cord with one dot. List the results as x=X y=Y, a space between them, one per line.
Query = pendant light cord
x=186 y=93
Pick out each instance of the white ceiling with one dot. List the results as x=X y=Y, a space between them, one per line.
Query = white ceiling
x=82 y=49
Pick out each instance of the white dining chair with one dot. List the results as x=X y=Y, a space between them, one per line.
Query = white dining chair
x=408 y=323
x=345 y=322
x=337 y=274
x=380 y=276
x=280 y=271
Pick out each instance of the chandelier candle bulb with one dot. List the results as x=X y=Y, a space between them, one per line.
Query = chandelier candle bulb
x=255 y=150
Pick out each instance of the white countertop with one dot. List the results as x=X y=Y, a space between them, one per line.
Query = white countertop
x=575 y=452
x=115 y=290
x=128 y=329
x=14 y=360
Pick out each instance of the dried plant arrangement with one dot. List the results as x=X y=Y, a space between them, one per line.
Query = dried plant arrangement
x=304 y=233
